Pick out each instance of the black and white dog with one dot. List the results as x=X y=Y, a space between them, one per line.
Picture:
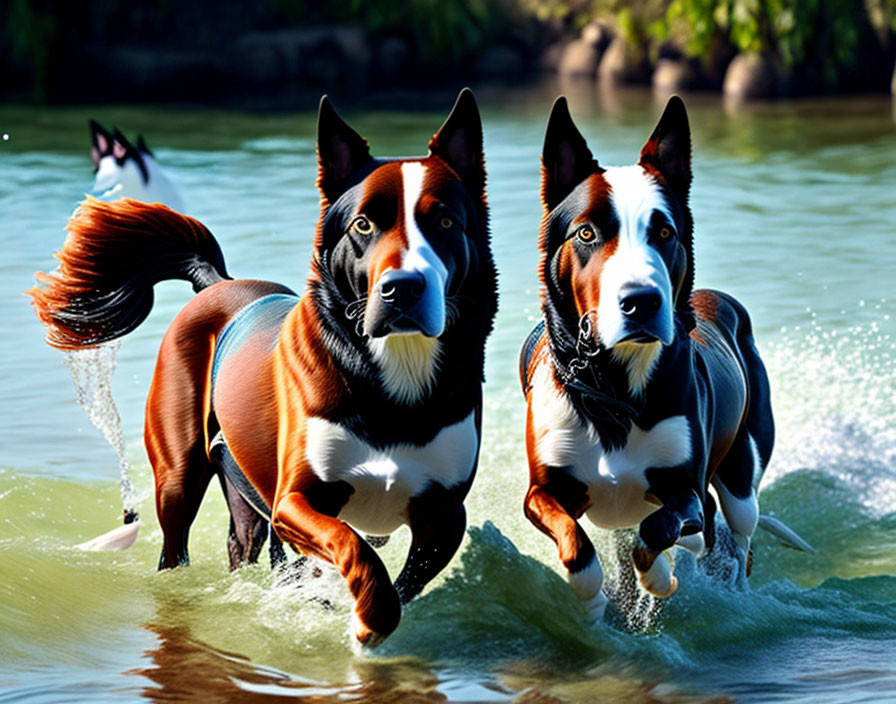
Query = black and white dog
x=126 y=170
x=641 y=392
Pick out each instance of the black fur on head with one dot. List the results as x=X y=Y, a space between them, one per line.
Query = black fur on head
x=668 y=154
x=574 y=190
x=360 y=206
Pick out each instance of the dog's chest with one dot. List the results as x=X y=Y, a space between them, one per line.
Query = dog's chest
x=386 y=480
x=616 y=480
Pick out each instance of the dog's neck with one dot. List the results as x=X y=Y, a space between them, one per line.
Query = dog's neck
x=608 y=388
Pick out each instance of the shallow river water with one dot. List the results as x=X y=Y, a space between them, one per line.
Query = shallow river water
x=795 y=211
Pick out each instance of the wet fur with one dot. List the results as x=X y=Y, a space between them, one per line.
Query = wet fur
x=636 y=436
x=259 y=368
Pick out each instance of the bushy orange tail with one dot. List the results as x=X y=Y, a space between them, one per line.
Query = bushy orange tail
x=114 y=254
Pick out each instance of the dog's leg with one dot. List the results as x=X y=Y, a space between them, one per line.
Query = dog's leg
x=248 y=530
x=436 y=537
x=585 y=575
x=733 y=483
x=680 y=517
x=176 y=433
x=377 y=607
x=275 y=549
x=182 y=477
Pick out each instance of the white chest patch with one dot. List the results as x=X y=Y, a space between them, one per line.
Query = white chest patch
x=615 y=480
x=385 y=480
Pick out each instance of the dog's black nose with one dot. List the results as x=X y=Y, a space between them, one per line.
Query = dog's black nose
x=640 y=304
x=401 y=288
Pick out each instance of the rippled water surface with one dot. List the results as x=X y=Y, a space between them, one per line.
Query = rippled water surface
x=795 y=210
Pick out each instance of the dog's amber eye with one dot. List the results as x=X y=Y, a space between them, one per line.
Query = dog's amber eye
x=361 y=226
x=586 y=234
x=665 y=233
x=446 y=223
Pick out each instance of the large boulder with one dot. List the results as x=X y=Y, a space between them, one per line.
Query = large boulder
x=752 y=76
x=674 y=75
x=581 y=57
x=623 y=62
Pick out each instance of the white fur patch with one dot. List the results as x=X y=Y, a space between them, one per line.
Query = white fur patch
x=562 y=440
x=384 y=480
x=754 y=448
x=659 y=580
x=587 y=582
x=635 y=195
x=587 y=585
x=420 y=256
x=408 y=364
x=693 y=543
x=618 y=482
x=126 y=181
x=742 y=515
x=615 y=480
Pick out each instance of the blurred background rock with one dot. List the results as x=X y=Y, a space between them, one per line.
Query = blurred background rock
x=245 y=51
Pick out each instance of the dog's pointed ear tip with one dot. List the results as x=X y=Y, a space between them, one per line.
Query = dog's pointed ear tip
x=675 y=108
x=560 y=106
x=325 y=107
x=466 y=105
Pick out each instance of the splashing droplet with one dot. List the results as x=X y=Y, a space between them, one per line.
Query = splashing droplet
x=91 y=371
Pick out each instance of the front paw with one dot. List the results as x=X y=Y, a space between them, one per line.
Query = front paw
x=363 y=635
x=655 y=576
x=376 y=615
x=596 y=607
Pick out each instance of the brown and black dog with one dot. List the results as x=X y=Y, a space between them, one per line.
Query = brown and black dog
x=354 y=408
x=641 y=392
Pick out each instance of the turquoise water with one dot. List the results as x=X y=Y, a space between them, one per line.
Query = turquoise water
x=795 y=210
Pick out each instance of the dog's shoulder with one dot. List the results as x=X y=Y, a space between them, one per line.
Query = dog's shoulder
x=535 y=350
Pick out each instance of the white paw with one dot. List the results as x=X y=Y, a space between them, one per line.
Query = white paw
x=659 y=580
x=693 y=543
x=595 y=607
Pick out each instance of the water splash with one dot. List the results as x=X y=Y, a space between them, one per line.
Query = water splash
x=91 y=371
x=834 y=396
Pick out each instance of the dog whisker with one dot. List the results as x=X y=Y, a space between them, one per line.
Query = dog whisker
x=356 y=308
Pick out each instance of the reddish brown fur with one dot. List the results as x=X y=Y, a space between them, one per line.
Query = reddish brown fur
x=178 y=406
x=100 y=253
x=551 y=507
x=274 y=382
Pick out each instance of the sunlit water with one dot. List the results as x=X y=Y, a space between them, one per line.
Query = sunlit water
x=795 y=208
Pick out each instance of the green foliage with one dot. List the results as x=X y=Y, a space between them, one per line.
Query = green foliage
x=822 y=35
x=443 y=29
x=32 y=38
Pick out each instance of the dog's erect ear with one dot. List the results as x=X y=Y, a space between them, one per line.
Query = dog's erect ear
x=669 y=152
x=340 y=152
x=121 y=147
x=566 y=160
x=459 y=142
x=123 y=150
x=669 y=148
x=101 y=143
x=141 y=145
